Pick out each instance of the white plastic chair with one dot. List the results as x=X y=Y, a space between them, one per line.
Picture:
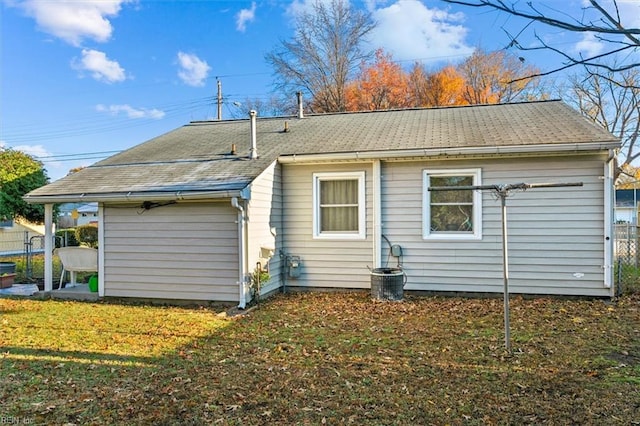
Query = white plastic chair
x=76 y=259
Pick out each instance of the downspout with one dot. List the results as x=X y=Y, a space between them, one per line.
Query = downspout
x=608 y=221
x=242 y=248
x=377 y=215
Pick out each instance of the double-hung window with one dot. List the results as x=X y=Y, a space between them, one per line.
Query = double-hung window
x=452 y=214
x=339 y=205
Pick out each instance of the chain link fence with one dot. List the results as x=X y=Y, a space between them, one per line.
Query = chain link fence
x=26 y=249
x=626 y=258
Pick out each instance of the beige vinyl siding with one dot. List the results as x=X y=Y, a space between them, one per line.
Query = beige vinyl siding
x=326 y=263
x=183 y=251
x=265 y=213
x=12 y=239
x=556 y=235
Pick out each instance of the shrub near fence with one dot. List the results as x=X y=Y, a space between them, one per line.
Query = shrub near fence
x=66 y=237
x=87 y=235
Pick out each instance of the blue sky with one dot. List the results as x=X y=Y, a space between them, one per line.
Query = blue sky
x=80 y=80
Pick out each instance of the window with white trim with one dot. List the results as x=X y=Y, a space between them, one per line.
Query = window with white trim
x=339 y=205
x=454 y=214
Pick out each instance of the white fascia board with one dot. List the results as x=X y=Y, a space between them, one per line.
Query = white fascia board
x=435 y=152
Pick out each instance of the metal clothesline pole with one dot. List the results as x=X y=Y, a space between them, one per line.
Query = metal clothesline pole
x=503 y=191
x=505 y=272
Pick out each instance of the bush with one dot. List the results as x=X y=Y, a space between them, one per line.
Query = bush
x=68 y=235
x=87 y=235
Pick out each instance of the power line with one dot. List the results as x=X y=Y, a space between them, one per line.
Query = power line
x=79 y=126
x=61 y=156
x=73 y=159
x=109 y=117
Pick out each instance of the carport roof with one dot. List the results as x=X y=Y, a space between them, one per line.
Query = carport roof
x=196 y=160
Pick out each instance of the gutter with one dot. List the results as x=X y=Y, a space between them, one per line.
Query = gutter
x=444 y=152
x=132 y=197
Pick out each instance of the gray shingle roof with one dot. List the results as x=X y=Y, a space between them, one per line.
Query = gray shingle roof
x=197 y=156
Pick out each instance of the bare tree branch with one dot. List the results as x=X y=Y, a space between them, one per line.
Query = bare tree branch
x=324 y=52
x=611 y=100
x=539 y=17
x=606 y=29
x=616 y=22
x=571 y=62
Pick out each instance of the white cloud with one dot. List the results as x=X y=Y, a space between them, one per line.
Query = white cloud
x=244 y=16
x=299 y=7
x=410 y=30
x=589 y=46
x=193 y=70
x=74 y=21
x=131 y=112
x=37 y=151
x=630 y=13
x=101 y=68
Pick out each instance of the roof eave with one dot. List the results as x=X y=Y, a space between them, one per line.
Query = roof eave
x=125 y=197
x=433 y=152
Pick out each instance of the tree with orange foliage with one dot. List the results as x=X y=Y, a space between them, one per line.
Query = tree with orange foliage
x=382 y=85
x=483 y=78
x=441 y=88
x=498 y=77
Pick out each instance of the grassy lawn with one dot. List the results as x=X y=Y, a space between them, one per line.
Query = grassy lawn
x=319 y=358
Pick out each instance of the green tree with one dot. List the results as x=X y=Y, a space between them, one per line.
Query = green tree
x=19 y=174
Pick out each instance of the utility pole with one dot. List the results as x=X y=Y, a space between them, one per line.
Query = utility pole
x=503 y=191
x=219 y=99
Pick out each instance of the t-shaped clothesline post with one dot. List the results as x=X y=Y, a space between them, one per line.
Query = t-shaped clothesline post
x=503 y=191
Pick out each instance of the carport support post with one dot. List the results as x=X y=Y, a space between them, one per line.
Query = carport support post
x=48 y=247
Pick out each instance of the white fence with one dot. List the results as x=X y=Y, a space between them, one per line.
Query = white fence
x=626 y=255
